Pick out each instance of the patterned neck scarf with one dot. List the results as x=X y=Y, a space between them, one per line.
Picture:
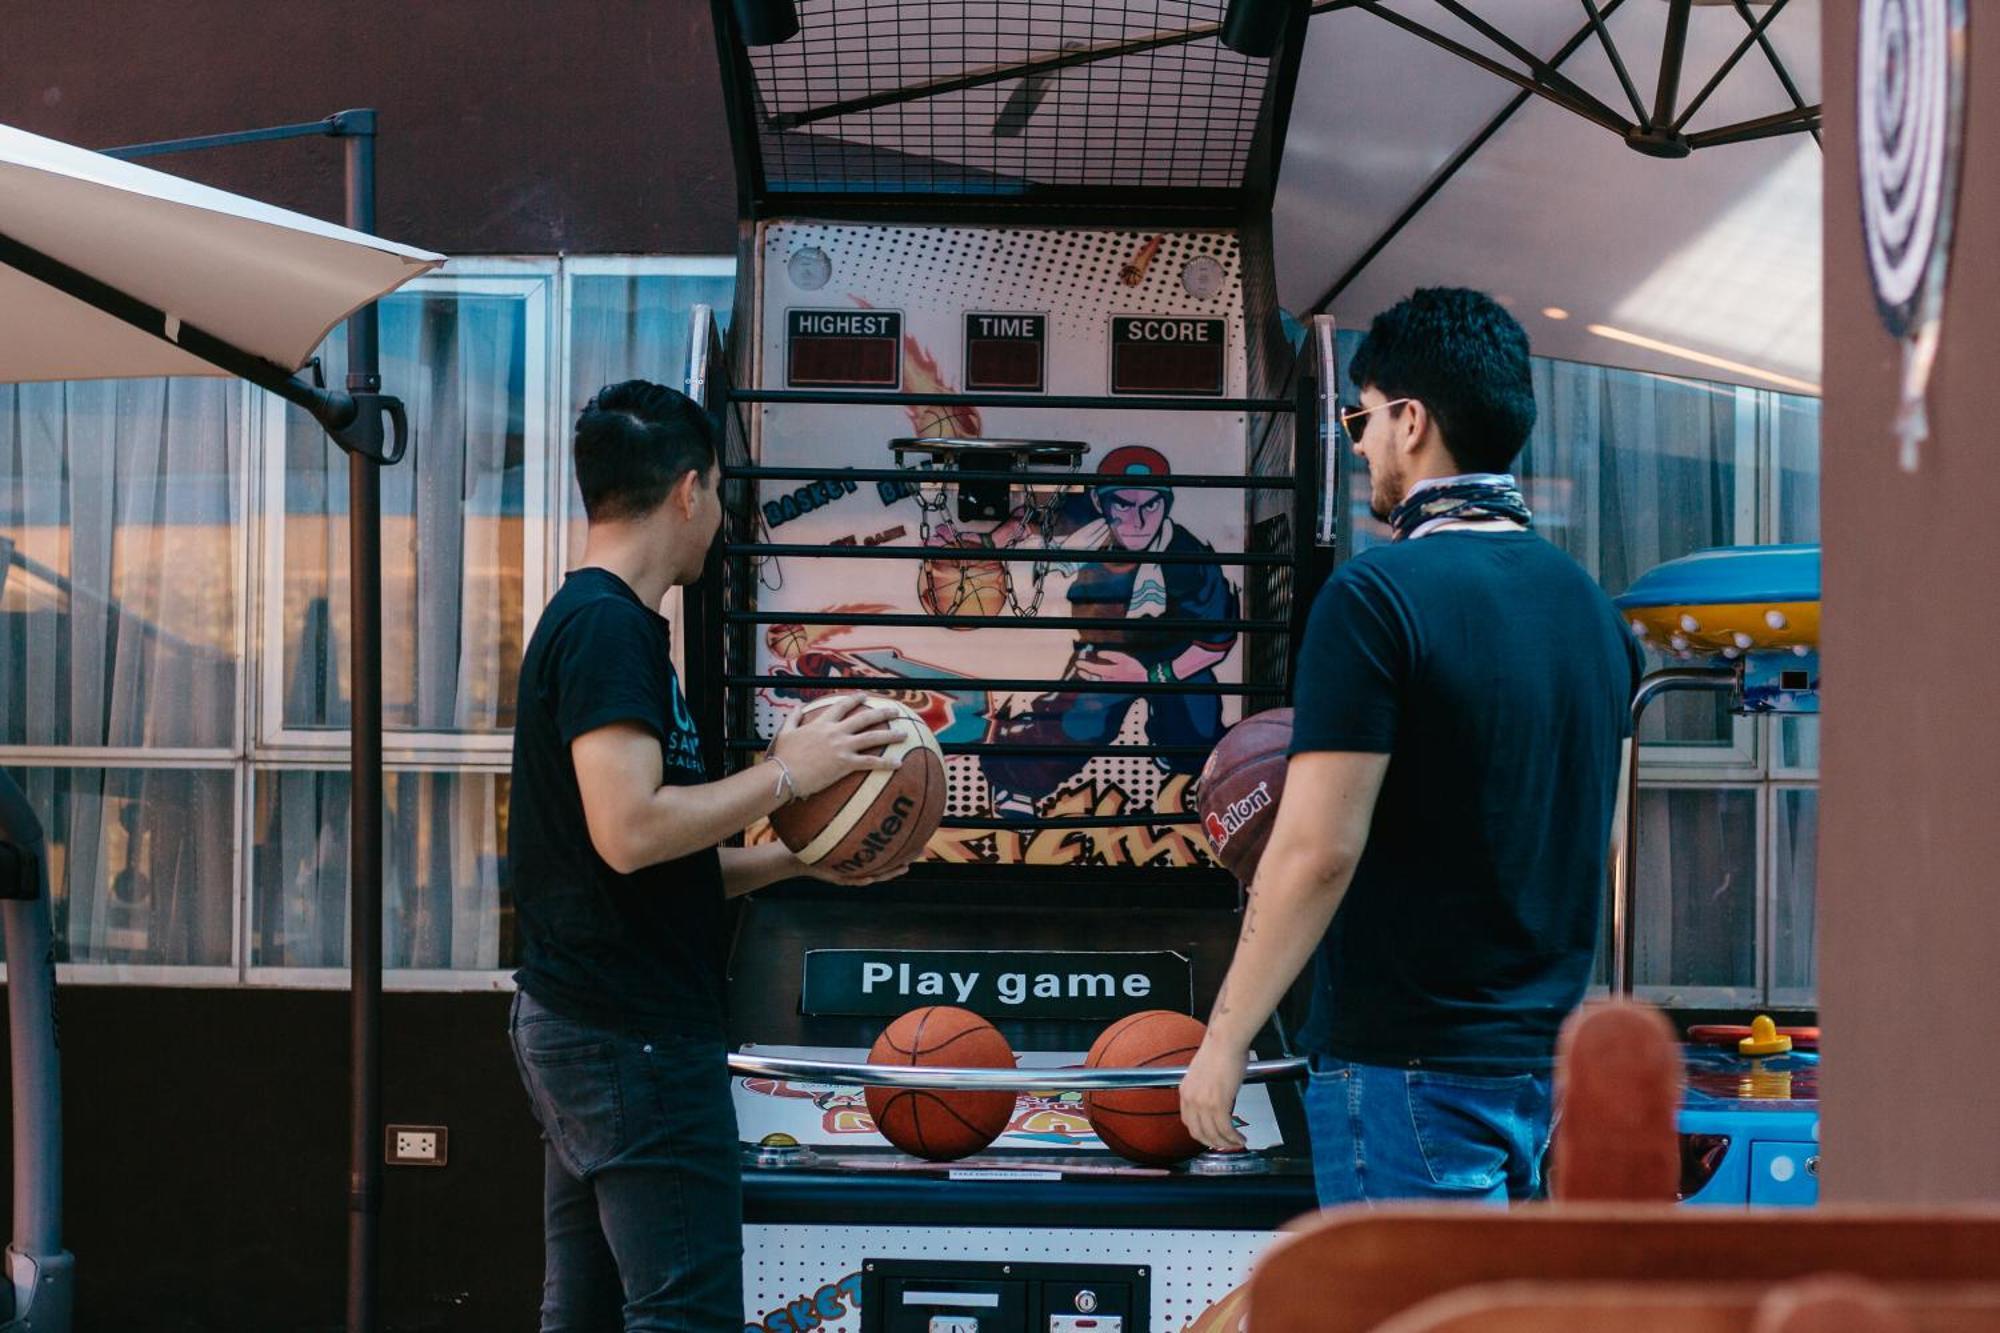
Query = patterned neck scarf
x=1471 y=497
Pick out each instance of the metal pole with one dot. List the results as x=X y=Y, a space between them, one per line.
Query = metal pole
x=1625 y=852
x=364 y=508
x=40 y=1273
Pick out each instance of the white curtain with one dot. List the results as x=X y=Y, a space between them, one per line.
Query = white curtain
x=119 y=600
x=453 y=560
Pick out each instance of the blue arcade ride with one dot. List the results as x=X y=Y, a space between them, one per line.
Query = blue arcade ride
x=1742 y=621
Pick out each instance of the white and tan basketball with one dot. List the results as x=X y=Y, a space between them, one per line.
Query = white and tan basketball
x=871 y=822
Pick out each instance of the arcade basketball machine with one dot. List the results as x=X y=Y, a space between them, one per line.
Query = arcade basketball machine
x=1015 y=437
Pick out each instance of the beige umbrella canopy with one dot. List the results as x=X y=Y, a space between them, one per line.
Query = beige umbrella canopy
x=263 y=280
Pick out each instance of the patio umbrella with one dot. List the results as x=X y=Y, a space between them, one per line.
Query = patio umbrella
x=111 y=270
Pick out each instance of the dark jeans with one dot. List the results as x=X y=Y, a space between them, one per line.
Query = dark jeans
x=1391 y=1133
x=642 y=1201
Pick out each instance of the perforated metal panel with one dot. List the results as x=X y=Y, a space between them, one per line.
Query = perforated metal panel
x=786 y=1265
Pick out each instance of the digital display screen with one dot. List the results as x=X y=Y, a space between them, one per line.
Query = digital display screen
x=843 y=349
x=1006 y=353
x=1153 y=355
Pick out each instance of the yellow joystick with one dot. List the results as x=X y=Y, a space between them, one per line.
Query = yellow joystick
x=777 y=1140
x=1764 y=1038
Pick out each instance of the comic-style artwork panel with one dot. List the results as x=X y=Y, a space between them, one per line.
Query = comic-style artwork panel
x=1068 y=540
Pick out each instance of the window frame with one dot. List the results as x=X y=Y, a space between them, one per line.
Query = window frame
x=534 y=282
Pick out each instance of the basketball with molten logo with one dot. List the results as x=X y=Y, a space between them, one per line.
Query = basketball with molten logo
x=871 y=822
x=1238 y=790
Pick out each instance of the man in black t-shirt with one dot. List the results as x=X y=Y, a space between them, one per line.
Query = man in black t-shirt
x=1462 y=713
x=619 y=887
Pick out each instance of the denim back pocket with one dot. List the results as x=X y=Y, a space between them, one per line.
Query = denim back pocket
x=572 y=1076
x=1467 y=1126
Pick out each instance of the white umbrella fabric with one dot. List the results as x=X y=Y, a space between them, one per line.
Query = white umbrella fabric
x=264 y=280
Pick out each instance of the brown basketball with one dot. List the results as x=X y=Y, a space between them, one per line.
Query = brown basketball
x=875 y=820
x=969 y=587
x=1144 y=1124
x=787 y=641
x=941 y=1126
x=1238 y=790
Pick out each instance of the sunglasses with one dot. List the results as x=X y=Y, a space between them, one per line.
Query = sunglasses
x=1354 y=417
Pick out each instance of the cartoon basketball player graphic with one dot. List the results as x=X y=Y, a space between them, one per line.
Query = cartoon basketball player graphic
x=1127 y=519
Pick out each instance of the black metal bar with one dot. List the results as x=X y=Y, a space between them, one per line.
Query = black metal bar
x=1542 y=70
x=1617 y=64
x=364 y=513
x=1027 y=69
x=1051 y=554
x=1444 y=174
x=1066 y=402
x=1158 y=624
x=982 y=748
x=1777 y=65
x=1267 y=150
x=332 y=410
x=308 y=129
x=1803 y=121
x=1613 y=123
x=1042 y=684
x=739 y=92
x=1175 y=481
x=1136 y=817
x=1673 y=51
x=1722 y=70
x=1308 y=469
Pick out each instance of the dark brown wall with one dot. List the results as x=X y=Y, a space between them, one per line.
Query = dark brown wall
x=506 y=127
x=1909 y=884
x=205 y=1167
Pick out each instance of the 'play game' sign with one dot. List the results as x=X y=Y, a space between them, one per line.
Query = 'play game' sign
x=996 y=984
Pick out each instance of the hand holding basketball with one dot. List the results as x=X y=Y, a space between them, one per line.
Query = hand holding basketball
x=838 y=738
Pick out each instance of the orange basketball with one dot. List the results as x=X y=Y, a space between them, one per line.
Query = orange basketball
x=870 y=822
x=787 y=641
x=1144 y=1124
x=969 y=587
x=941 y=1126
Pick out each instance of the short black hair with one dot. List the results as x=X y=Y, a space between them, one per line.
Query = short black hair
x=1461 y=355
x=635 y=440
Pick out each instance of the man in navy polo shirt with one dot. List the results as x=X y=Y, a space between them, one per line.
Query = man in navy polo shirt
x=1463 y=705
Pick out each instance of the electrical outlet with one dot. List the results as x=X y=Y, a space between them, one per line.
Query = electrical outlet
x=415 y=1145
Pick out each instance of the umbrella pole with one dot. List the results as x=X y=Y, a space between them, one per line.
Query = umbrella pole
x=364 y=1190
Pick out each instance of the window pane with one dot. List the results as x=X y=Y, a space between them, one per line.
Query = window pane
x=1795 y=872
x=119 y=506
x=1695 y=904
x=442 y=904
x=453 y=535
x=1798 y=468
x=1798 y=743
x=140 y=862
x=631 y=326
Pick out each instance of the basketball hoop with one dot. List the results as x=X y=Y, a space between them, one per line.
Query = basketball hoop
x=970 y=586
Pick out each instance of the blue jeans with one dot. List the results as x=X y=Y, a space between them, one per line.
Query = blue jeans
x=1392 y=1133
x=642 y=1203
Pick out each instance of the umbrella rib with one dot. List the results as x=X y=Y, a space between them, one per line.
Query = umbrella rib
x=1443 y=176
x=1597 y=114
x=1803 y=120
x=1672 y=52
x=1777 y=66
x=1617 y=64
x=1542 y=71
x=1722 y=71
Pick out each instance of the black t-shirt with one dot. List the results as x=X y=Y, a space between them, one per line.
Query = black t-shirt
x=1498 y=678
x=642 y=952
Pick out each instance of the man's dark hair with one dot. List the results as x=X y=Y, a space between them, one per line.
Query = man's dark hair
x=634 y=442
x=1466 y=359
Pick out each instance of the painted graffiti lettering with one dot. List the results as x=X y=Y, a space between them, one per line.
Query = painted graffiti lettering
x=831 y=1302
x=804 y=500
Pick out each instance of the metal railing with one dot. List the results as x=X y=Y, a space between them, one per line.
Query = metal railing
x=961 y=1079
